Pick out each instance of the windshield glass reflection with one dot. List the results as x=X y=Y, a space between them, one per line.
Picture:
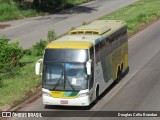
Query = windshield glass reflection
x=65 y=76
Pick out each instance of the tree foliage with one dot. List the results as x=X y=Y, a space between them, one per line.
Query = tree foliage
x=50 y=5
x=38 y=48
x=44 y=5
x=10 y=55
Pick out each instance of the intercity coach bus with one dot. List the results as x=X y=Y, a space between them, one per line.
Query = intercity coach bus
x=81 y=65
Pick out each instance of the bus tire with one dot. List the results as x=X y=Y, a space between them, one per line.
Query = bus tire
x=97 y=95
x=47 y=106
x=118 y=75
x=121 y=72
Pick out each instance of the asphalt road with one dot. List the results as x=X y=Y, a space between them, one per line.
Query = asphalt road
x=29 y=31
x=138 y=91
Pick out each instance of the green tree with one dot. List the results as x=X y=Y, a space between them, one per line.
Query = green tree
x=51 y=35
x=10 y=55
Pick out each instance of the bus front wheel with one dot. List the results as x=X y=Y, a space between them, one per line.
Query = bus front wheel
x=97 y=95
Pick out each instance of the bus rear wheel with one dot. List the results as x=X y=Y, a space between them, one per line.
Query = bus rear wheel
x=119 y=75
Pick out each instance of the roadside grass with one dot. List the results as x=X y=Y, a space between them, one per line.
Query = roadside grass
x=137 y=15
x=12 y=12
x=17 y=87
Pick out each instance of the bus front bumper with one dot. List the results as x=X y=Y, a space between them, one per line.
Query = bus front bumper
x=79 y=101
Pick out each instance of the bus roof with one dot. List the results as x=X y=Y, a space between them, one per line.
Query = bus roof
x=85 y=36
x=98 y=27
x=95 y=29
x=58 y=44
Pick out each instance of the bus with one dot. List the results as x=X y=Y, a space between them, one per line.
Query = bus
x=80 y=66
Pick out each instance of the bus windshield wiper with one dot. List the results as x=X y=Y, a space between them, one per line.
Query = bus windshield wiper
x=58 y=81
x=70 y=85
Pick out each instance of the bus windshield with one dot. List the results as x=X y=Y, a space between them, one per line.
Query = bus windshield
x=65 y=76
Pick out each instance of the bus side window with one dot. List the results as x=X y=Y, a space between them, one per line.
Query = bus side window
x=110 y=40
x=107 y=45
x=103 y=47
x=97 y=52
x=92 y=67
x=91 y=53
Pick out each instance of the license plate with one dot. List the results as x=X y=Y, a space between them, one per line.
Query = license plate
x=64 y=101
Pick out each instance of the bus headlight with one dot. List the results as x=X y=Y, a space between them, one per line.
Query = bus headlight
x=83 y=94
x=46 y=94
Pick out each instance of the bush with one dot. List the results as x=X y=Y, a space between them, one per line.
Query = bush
x=39 y=47
x=6 y=1
x=10 y=55
x=27 y=52
x=51 y=35
x=84 y=23
x=8 y=12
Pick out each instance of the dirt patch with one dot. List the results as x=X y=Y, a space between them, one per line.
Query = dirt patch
x=4 y=26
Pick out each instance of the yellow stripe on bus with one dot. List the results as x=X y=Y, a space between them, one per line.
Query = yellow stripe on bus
x=70 y=45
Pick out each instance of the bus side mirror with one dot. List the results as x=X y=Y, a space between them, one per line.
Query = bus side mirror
x=38 y=67
x=88 y=65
